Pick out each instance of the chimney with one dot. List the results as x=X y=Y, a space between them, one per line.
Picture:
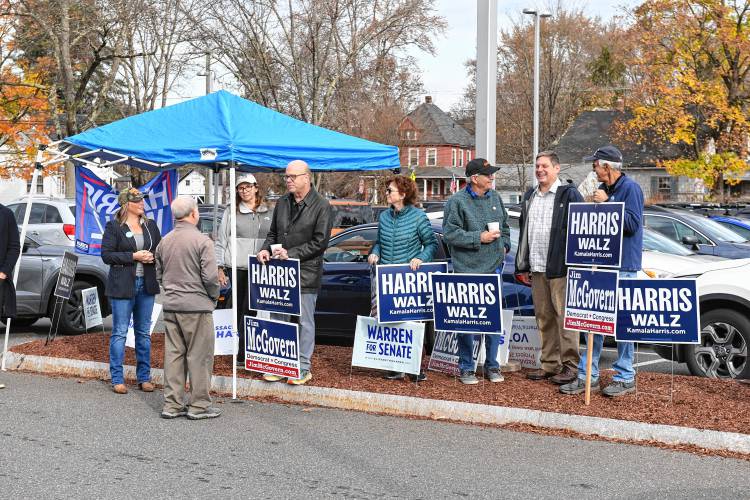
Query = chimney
x=428 y=99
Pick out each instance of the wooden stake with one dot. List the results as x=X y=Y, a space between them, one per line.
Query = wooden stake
x=589 y=354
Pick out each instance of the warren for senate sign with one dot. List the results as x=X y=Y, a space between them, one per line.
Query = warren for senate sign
x=467 y=303
x=396 y=346
x=658 y=310
x=591 y=301
x=274 y=286
x=92 y=313
x=403 y=294
x=272 y=347
x=594 y=234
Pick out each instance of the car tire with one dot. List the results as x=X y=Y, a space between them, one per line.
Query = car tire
x=725 y=337
x=72 y=320
x=20 y=323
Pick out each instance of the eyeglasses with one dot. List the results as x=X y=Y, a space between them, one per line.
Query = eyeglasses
x=292 y=177
x=246 y=188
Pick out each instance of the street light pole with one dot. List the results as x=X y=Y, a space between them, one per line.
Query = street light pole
x=537 y=25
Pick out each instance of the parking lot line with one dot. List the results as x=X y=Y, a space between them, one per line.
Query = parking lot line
x=652 y=362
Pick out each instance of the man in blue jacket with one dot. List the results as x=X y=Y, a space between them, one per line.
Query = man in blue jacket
x=615 y=187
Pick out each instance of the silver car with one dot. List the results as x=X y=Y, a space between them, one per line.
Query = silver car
x=51 y=220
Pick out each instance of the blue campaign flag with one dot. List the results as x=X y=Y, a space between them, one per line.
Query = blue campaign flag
x=591 y=301
x=96 y=203
x=405 y=295
x=595 y=234
x=275 y=286
x=658 y=310
x=467 y=303
x=272 y=347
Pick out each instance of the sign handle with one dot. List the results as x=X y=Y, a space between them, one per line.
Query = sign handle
x=589 y=355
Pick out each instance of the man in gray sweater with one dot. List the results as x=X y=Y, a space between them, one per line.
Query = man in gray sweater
x=186 y=269
x=475 y=227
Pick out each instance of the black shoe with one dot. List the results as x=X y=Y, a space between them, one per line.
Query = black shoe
x=395 y=375
x=418 y=378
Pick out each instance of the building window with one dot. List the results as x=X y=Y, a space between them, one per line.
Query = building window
x=453 y=157
x=461 y=158
x=413 y=157
x=187 y=182
x=431 y=155
x=664 y=185
x=468 y=156
x=39 y=185
x=435 y=186
x=410 y=135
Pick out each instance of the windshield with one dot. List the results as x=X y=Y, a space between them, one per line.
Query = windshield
x=713 y=229
x=659 y=243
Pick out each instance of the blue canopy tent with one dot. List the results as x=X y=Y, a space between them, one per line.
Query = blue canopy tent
x=219 y=130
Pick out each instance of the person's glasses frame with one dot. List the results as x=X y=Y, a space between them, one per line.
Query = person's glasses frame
x=247 y=188
x=292 y=177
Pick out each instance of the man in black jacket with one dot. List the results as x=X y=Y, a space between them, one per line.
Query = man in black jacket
x=541 y=253
x=302 y=225
x=10 y=249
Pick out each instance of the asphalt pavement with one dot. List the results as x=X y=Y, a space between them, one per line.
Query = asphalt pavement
x=65 y=438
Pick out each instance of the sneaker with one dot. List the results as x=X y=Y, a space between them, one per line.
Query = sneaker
x=566 y=376
x=395 y=375
x=305 y=377
x=619 y=388
x=173 y=414
x=418 y=378
x=209 y=412
x=494 y=375
x=272 y=378
x=578 y=386
x=468 y=378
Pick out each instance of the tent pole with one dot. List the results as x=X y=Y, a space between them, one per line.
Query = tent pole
x=215 y=177
x=37 y=172
x=235 y=326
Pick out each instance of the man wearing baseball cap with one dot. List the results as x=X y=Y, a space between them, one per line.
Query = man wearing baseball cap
x=476 y=248
x=615 y=187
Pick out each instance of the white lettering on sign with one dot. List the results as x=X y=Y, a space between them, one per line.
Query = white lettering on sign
x=656 y=299
x=274 y=275
x=404 y=283
x=594 y=223
x=581 y=296
x=466 y=293
x=261 y=342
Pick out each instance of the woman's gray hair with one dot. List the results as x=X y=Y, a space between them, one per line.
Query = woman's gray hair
x=612 y=164
x=183 y=206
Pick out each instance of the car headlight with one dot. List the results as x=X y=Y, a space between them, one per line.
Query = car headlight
x=658 y=273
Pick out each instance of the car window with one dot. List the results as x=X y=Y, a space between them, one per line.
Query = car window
x=662 y=225
x=351 y=215
x=713 y=229
x=36 y=216
x=72 y=210
x=660 y=243
x=742 y=231
x=52 y=215
x=351 y=247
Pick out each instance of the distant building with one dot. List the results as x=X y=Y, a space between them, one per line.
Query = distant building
x=194 y=185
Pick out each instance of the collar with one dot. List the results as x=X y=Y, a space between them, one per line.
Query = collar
x=475 y=195
x=244 y=209
x=552 y=188
x=399 y=213
x=303 y=201
x=611 y=189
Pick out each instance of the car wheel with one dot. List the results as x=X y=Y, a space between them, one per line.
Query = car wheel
x=725 y=335
x=72 y=320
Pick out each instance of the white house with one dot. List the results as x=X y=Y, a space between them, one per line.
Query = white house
x=193 y=185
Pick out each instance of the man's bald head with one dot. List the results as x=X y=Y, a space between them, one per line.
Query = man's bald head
x=298 y=178
x=298 y=166
x=183 y=207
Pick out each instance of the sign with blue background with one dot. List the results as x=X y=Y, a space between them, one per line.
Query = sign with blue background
x=272 y=347
x=467 y=303
x=96 y=203
x=274 y=286
x=405 y=295
x=591 y=301
x=594 y=234
x=658 y=310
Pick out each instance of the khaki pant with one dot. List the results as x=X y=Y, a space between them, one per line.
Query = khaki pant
x=559 y=346
x=188 y=349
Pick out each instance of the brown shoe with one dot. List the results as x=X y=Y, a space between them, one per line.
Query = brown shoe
x=146 y=386
x=566 y=376
x=538 y=374
x=120 y=389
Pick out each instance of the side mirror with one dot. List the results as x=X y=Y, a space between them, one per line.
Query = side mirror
x=691 y=241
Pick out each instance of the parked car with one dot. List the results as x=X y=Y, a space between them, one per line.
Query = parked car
x=701 y=234
x=724 y=289
x=345 y=286
x=206 y=224
x=739 y=225
x=40 y=266
x=51 y=220
x=663 y=257
x=349 y=213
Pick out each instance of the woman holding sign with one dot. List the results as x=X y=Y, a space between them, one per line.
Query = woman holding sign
x=405 y=236
x=253 y=222
x=128 y=246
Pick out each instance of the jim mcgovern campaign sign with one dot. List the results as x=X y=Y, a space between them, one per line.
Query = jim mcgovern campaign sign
x=274 y=286
x=591 y=301
x=272 y=347
x=467 y=303
x=658 y=310
x=403 y=294
x=594 y=234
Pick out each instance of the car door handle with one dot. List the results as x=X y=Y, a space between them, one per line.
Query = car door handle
x=34 y=232
x=46 y=259
x=350 y=280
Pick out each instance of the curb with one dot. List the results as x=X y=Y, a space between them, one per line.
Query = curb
x=411 y=406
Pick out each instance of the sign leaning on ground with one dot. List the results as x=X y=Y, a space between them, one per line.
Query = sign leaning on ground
x=272 y=347
x=663 y=310
x=403 y=294
x=591 y=301
x=274 y=286
x=395 y=346
x=223 y=337
x=467 y=303
x=444 y=357
x=67 y=276
x=92 y=313
x=595 y=234
x=525 y=342
x=130 y=335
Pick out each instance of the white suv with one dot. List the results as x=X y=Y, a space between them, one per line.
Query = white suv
x=51 y=221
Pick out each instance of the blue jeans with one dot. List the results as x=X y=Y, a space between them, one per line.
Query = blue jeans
x=140 y=307
x=466 y=348
x=624 y=371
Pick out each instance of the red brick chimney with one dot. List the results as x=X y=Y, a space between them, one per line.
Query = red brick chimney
x=428 y=99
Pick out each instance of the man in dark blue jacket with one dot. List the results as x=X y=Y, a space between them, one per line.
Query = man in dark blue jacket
x=615 y=187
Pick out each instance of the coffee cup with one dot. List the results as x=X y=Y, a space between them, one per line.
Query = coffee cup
x=276 y=247
x=493 y=226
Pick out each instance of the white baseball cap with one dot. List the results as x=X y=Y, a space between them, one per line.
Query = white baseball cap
x=245 y=178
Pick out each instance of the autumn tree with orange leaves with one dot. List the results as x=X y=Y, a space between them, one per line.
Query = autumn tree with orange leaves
x=690 y=63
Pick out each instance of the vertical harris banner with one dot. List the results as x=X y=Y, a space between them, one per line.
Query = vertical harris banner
x=591 y=301
x=403 y=294
x=594 y=234
x=96 y=203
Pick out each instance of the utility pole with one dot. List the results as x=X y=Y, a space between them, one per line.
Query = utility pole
x=486 y=104
x=210 y=180
x=537 y=28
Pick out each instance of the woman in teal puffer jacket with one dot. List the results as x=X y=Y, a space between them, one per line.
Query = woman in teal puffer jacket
x=405 y=236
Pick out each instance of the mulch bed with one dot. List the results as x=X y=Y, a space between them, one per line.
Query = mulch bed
x=722 y=405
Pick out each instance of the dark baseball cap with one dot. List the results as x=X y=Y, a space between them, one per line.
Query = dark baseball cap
x=480 y=166
x=607 y=153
